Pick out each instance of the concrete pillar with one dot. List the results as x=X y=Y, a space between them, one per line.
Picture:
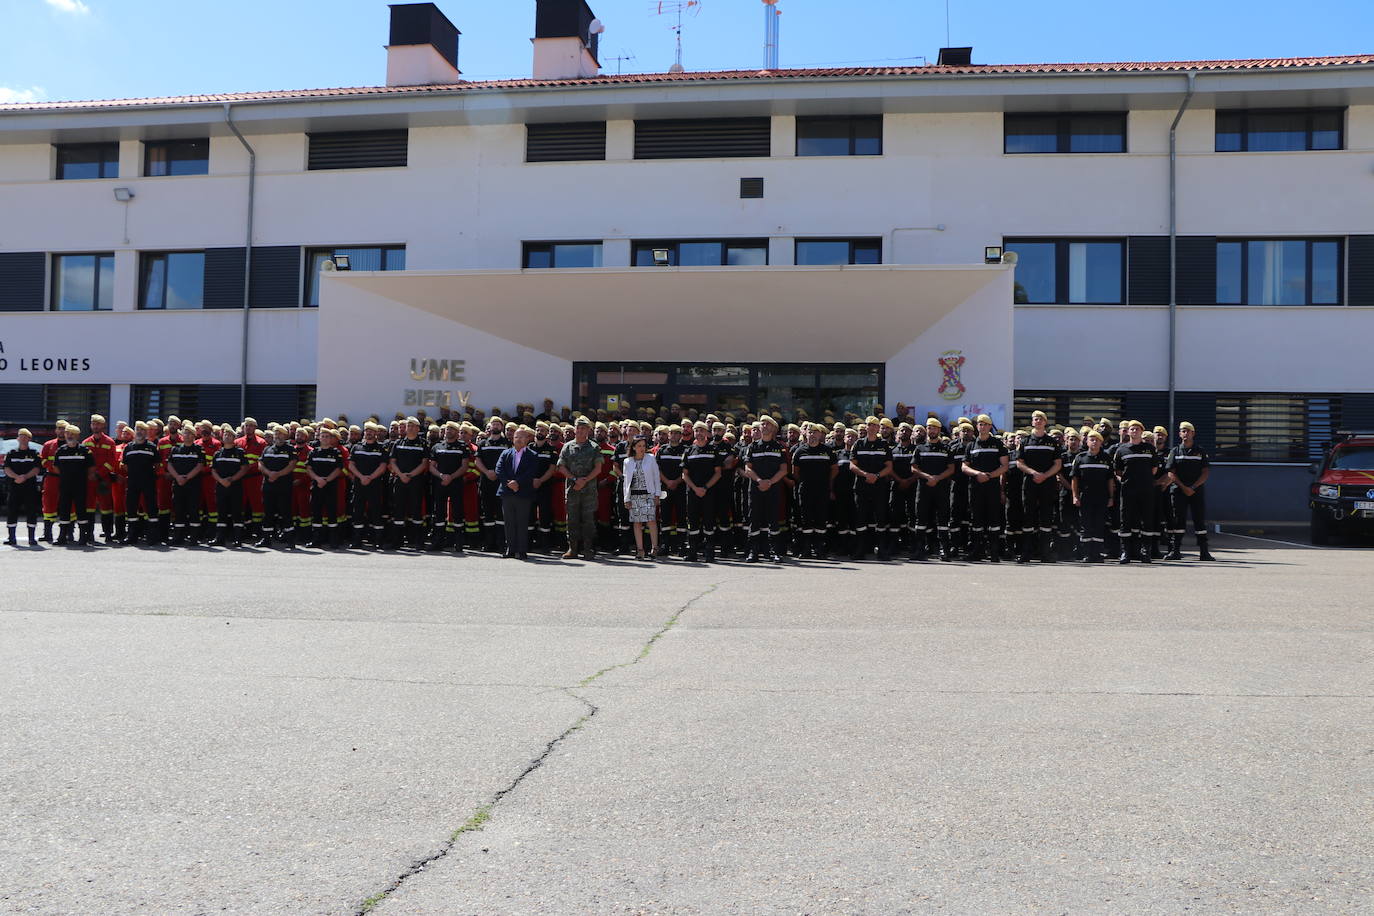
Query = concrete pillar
x=620 y=140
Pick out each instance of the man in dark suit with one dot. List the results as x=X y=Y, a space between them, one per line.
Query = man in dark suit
x=517 y=471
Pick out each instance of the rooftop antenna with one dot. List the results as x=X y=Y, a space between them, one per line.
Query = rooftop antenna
x=678 y=7
x=946 y=23
x=771 y=22
x=620 y=60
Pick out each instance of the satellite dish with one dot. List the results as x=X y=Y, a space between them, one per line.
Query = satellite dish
x=596 y=28
x=328 y=264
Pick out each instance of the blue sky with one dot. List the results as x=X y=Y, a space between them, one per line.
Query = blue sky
x=91 y=49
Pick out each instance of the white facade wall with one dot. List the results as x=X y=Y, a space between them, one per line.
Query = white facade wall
x=468 y=200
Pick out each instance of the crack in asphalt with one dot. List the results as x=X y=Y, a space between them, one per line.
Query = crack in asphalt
x=478 y=818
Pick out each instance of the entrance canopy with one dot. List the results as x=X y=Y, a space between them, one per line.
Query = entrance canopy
x=405 y=340
x=784 y=314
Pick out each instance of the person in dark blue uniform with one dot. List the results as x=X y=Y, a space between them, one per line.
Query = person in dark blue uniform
x=901 y=513
x=701 y=472
x=1188 y=469
x=764 y=467
x=278 y=466
x=1135 y=465
x=986 y=461
x=367 y=467
x=22 y=468
x=934 y=467
x=1093 y=483
x=448 y=463
x=1040 y=463
x=871 y=463
x=814 y=468
x=409 y=465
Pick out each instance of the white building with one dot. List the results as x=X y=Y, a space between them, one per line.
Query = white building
x=722 y=240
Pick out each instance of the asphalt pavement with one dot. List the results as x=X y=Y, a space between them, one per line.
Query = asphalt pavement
x=206 y=731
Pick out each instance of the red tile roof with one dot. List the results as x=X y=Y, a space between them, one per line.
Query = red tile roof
x=1178 y=66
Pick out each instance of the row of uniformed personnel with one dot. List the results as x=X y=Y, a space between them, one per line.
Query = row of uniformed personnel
x=757 y=490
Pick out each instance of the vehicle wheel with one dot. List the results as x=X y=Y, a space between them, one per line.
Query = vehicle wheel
x=1321 y=529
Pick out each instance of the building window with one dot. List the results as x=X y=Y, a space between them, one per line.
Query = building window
x=82 y=282
x=149 y=401
x=1069 y=271
x=582 y=141
x=703 y=138
x=172 y=280
x=1261 y=427
x=358 y=149
x=562 y=254
x=840 y=136
x=1279 y=272
x=1064 y=133
x=1280 y=130
x=176 y=157
x=1069 y=408
x=87 y=160
x=388 y=257
x=839 y=251
x=75 y=404
x=708 y=253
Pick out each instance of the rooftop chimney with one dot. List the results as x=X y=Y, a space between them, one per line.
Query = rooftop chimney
x=565 y=40
x=955 y=57
x=423 y=50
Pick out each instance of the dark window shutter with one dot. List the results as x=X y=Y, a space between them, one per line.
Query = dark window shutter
x=218 y=403
x=274 y=403
x=1357 y=411
x=1149 y=407
x=223 y=278
x=1360 y=270
x=23 y=275
x=1199 y=409
x=583 y=141
x=22 y=405
x=1197 y=270
x=276 y=280
x=1147 y=270
x=359 y=149
x=704 y=138
x=750 y=188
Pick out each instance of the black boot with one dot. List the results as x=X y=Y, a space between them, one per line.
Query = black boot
x=178 y=536
x=121 y=530
x=775 y=548
x=885 y=539
x=222 y=538
x=1027 y=548
x=752 y=555
x=107 y=527
x=33 y=536
x=946 y=547
x=265 y=541
x=1149 y=549
x=1175 y=542
x=1202 y=553
x=1092 y=553
x=437 y=539
x=87 y=534
x=975 y=547
x=11 y=541
x=1128 y=548
x=995 y=547
x=288 y=537
x=47 y=532
x=1047 y=547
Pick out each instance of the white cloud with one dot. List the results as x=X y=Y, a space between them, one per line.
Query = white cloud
x=10 y=96
x=69 y=6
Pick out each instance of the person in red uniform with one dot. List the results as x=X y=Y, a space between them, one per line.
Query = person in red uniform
x=100 y=487
x=472 y=489
x=300 y=481
x=46 y=456
x=253 y=446
x=124 y=434
x=205 y=433
x=165 y=444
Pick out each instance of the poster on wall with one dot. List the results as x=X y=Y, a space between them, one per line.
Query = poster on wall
x=948 y=413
